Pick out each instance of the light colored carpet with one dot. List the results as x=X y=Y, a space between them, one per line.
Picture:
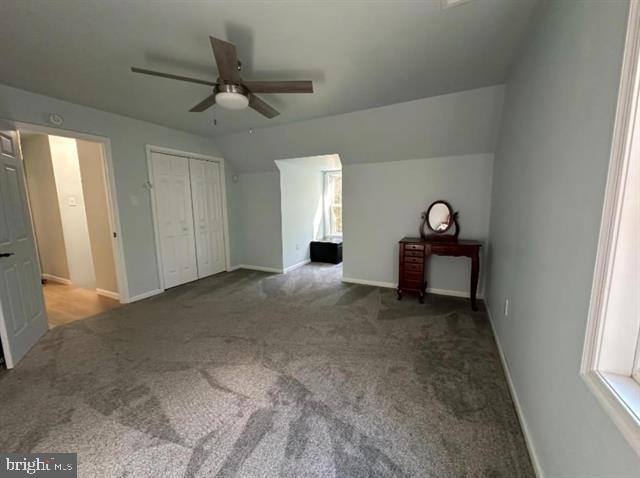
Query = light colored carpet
x=255 y=375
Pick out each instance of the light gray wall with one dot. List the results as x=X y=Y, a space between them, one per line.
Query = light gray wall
x=128 y=140
x=259 y=225
x=383 y=202
x=550 y=171
x=447 y=125
x=43 y=199
x=301 y=202
x=97 y=208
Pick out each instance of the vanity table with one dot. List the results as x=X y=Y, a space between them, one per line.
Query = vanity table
x=438 y=236
x=414 y=253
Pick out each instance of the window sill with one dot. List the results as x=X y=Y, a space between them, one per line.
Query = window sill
x=620 y=397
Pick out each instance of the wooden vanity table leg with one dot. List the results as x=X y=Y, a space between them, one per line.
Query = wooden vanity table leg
x=475 y=269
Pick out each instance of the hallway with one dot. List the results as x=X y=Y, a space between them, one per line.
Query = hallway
x=66 y=303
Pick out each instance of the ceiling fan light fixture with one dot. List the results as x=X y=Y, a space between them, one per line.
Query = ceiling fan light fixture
x=232 y=97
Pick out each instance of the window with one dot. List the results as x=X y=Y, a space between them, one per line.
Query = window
x=611 y=358
x=333 y=203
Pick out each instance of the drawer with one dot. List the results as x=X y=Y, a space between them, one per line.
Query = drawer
x=414 y=253
x=413 y=267
x=413 y=276
x=414 y=247
x=415 y=260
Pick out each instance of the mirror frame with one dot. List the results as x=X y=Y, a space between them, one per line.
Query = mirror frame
x=445 y=235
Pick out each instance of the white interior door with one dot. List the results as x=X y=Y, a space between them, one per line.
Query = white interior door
x=172 y=190
x=207 y=214
x=22 y=314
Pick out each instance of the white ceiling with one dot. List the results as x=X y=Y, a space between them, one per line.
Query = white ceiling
x=360 y=54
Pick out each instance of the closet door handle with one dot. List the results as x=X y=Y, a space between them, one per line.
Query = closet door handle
x=7 y=254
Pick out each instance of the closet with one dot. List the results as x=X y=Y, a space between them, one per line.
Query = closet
x=189 y=222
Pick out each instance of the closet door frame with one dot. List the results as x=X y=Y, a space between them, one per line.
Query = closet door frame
x=154 y=207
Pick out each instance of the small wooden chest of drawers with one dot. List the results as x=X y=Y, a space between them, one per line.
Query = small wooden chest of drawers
x=412 y=261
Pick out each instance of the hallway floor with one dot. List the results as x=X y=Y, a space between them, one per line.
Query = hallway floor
x=66 y=303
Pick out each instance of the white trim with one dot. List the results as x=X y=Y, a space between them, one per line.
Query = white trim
x=149 y=149
x=608 y=396
x=59 y=280
x=296 y=266
x=113 y=211
x=612 y=207
x=608 y=393
x=258 y=268
x=108 y=293
x=453 y=293
x=145 y=295
x=528 y=438
x=393 y=285
x=353 y=280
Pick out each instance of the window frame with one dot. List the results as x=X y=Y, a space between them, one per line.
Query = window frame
x=617 y=391
x=328 y=203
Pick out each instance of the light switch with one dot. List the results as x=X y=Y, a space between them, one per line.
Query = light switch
x=135 y=202
x=73 y=201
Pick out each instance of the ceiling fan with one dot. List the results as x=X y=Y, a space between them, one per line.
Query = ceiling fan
x=231 y=91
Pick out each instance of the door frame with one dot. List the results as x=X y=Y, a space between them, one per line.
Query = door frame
x=150 y=148
x=113 y=212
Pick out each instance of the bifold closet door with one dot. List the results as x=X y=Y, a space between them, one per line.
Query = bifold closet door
x=207 y=215
x=172 y=192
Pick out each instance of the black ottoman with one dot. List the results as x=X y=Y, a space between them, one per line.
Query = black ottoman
x=328 y=249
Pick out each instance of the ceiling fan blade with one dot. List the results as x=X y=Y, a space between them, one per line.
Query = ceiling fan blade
x=300 y=86
x=207 y=103
x=262 y=107
x=172 y=77
x=226 y=59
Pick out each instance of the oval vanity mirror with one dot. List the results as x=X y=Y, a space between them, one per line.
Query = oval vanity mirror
x=439 y=223
x=439 y=217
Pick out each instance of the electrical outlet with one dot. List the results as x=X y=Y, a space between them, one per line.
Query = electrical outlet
x=506 y=307
x=297 y=247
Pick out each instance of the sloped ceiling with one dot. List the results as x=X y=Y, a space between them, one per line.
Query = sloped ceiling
x=359 y=54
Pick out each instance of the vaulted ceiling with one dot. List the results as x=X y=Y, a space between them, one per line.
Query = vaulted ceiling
x=359 y=54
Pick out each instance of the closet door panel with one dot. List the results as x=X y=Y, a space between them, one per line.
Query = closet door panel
x=207 y=213
x=172 y=191
x=216 y=219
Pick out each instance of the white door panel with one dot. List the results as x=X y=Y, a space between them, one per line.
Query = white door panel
x=207 y=214
x=22 y=315
x=172 y=191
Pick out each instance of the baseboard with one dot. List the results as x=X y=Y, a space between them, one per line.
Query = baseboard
x=296 y=266
x=108 y=293
x=393 y=285
x=234 y=268
x=452 y=293
x=353 y=280
x=145 y=295
x=59 y=280
x=535 y=460
x=259 y=268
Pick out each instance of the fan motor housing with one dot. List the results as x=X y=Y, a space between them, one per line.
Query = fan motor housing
x=222 y=87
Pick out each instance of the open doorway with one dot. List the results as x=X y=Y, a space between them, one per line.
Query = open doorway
x=311 y=208
x=69 y=204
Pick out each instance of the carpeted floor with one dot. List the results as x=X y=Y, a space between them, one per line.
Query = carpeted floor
x=255 y=375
